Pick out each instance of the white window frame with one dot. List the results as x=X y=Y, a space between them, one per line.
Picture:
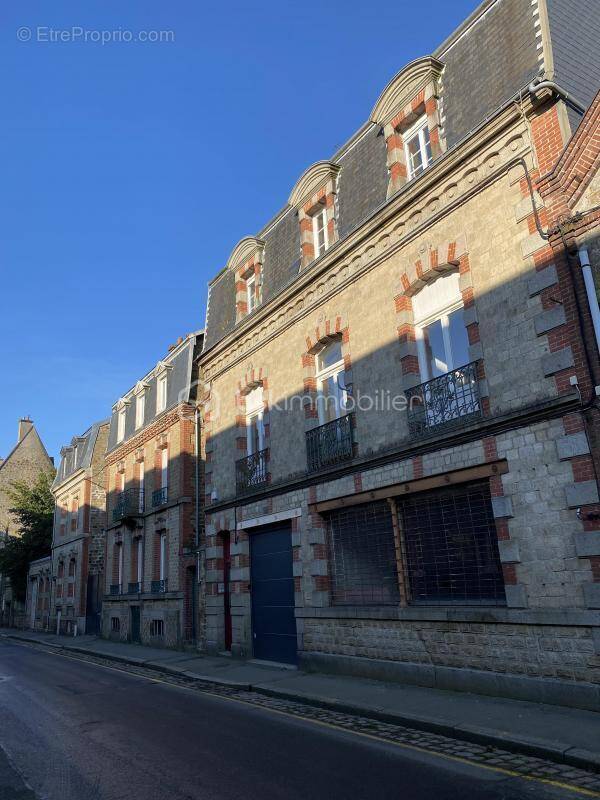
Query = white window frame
x=140 y=410
x=161 y=393
x=121 y=419
x=164 y=468
x=140 y=561
x=324 y=374
x=251 y=299
x=416 y=130
x=141 y=486
x=163 y=557
x=255 y=411
x=448 y=301
x=320 y=215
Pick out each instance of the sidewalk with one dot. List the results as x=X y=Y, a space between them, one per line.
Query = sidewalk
x=553 y=732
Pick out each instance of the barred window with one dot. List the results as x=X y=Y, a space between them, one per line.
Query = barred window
x=450 y=547
x=157 y=627
x=115 y=624
x=362 y=555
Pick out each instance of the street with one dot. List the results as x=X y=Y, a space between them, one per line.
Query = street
x=77 y=731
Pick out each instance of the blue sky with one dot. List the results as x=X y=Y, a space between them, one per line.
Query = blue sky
x=131 y=169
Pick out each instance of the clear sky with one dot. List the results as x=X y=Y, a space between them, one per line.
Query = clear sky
x=130 y=169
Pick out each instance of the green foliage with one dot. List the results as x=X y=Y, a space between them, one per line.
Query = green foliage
x=33 y=508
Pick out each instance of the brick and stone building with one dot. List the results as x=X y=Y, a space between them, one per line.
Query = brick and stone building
x=39 y=593
x=25 y=462
x=153 y=509
x=78 y=536
x=398 y=477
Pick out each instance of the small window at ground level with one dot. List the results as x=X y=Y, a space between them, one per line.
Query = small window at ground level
x=115 y=623
x=157 y=627
x=450 y=547
x=363 y=556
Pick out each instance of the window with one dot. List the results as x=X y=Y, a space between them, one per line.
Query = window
x=251 y=293
x=442 y=341
x=140 y=561
x=363 y=555
x=451 y=547
x=75 y=457
x=161 y=394
x=164 y=468
x=255 y=432
x=120 y=564
x=61 y=569
x=72 y=568
x=141 y=487
x=417 y=148
x=320 y=238
x=121 y=425
x=331 y=389
x=140 y=407
x=74 y=513
x=162 y=543
x=115 y=624
x=157 y=627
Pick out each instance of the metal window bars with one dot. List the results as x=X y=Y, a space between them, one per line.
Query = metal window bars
x=251 y=471
x=445 y=402
x=331 y=443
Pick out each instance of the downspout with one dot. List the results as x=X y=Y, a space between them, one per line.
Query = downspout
x=538 y=86
x=197 y=524
x=586 y=268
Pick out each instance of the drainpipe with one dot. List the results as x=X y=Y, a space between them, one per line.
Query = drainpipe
x=538 y=86
x=197 y=523
x=586 y=268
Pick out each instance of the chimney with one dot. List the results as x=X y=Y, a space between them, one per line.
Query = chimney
x=25 y=425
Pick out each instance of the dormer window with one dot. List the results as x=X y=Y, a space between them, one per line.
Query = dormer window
x=140 y=408
x=161 y=393
x=417 y=147
x=121 y=425
x=251 y=292
x=320 y=239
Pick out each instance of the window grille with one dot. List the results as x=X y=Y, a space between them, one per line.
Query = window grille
x=450 y=547
x=362 y=555
x=157 y=627
x=115 y=624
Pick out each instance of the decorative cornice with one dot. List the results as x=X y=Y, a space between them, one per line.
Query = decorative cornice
x=140 y=387
x=313 y=179
x=121 y=403
x=243 y=251
x=161 y=368
x=404 y=86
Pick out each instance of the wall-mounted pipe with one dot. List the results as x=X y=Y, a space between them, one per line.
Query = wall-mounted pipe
x=538 y=86
x=590 y=289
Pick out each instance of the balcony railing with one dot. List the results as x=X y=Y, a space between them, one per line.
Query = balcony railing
x=115 y=589
x=130 y=503
x=446 y=402
x=251 y=471
x=134 y=588
x=159 y=497
x=330 y=444
x=159 y=587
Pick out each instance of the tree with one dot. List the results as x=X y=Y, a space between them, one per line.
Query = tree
x=33 y=507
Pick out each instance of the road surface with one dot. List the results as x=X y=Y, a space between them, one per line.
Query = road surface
x=71 y=730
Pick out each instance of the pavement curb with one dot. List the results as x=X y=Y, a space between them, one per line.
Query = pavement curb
x=558 y=752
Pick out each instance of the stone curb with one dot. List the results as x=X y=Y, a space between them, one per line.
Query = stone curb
x=558 y=752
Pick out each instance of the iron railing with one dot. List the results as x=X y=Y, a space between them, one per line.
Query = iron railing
x=330 y=444
x=134 y=588
x=115 y=589
x=159 y=587
x=130 y=503
x=159 y=497
x=251 y=471
x=449 y=401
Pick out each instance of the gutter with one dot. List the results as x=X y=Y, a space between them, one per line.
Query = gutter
x=538 y=86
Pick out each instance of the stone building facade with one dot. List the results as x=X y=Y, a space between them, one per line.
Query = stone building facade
x=153 y=511
x=397 y=478
x=78 y=533
x=24 y=463
x=39 y=593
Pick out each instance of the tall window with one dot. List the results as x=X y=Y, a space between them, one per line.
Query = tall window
x=161 y=394
x=417 y=148
x=141 y=487
x=251 y=292
x=442 y=340
x=255 y=432
x=120 y=564
x=331 y=386
x=164 y=468
x=140 y=561
x=320 y=238
x=121 y=425
x=74 y=513
x=140 y=407
x=162 y=556
x=75 y=457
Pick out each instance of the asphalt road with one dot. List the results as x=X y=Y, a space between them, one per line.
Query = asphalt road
x=71 y=730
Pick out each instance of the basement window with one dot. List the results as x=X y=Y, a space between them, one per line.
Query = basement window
x=115 y=624
x=157 y=627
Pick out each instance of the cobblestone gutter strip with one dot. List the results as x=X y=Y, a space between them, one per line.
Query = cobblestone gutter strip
x=539 y=760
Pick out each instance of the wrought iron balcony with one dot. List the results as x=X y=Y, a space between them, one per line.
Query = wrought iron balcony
x=115 y=589
x=158 y=587
x=330 y=444
x=251 y=471
x=446 y=402
x=130 y=503
x=134 y=588
x=159 y=497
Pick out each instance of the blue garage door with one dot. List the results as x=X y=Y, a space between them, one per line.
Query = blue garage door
x=273 y=621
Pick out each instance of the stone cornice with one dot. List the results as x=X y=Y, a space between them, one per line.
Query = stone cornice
x=160 y=425
x=459 y=174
